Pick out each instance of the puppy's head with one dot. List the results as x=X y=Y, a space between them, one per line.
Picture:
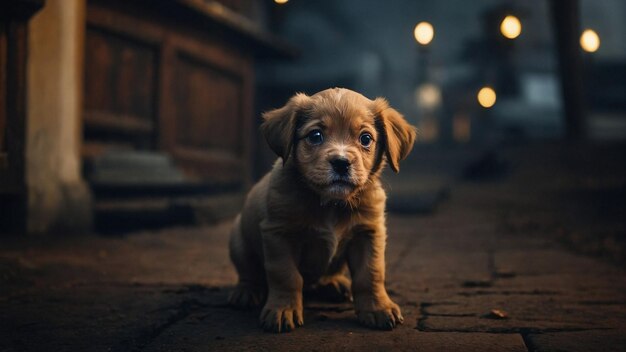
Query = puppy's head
x=338 y=139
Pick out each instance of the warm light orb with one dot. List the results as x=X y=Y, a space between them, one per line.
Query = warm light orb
x=589 y=41
x=486 y=97
x=511 y=27
x=428 y=96
x=424 y=33
x=281 y=1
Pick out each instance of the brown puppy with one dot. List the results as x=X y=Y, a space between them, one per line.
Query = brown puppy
x=320 y=207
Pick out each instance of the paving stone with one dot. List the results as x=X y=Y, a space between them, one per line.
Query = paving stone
x=549 y=261
x=457 y=266
x=491 y=246
x=170 y=256
x=224 y=329
x=96 y=317
x=571 y=287
x=528 y=312
x=579 y=341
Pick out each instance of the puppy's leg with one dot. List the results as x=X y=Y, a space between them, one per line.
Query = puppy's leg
x=366 y=258
x=283 y=309
x=335 y=288
x=324 y=280
x=250 y=290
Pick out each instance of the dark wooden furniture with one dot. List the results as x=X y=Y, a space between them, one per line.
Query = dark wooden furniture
x=14 y=16
x=175 y=77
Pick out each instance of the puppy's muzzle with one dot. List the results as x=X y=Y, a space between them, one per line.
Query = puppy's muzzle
x=341 y=166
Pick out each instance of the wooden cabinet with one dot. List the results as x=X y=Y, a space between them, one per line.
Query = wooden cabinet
x=176 y=77
x=207 y=111
x=153 y=85
x=120 y=88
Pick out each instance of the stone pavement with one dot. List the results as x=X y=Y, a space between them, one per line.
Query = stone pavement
x=488 y=271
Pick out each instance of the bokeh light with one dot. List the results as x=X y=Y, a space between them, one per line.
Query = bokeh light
x=511 y=27
x=424 y=33
x=486 y=97
x=428 y=96
x=590 y=41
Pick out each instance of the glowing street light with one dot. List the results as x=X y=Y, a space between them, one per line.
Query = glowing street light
x=486 y=97
x=424 y=33
x=280 y=2
x=511 y=27
x=590 y=41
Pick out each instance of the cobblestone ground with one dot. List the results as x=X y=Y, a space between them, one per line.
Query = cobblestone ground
x=488 y=271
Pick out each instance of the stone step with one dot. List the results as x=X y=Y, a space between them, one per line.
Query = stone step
x=126 y=167
x=145 y=189
x=124 y=215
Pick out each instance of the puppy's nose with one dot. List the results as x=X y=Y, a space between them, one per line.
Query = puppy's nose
x=340 y=165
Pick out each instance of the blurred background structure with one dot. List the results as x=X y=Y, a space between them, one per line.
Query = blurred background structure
x=133 y=114
x=129 y=138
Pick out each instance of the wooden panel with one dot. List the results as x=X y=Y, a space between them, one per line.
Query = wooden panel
x=13 y=61
x=200 y=85
x=208 y=106
x=121 y=21
x=242 y=7
x=216 y=167
x=121 y=123
x=120 y=81
x=3 y=89
x=206 y=109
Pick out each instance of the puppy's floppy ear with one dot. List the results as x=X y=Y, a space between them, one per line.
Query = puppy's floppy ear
x=279 y=125
x=398 y=135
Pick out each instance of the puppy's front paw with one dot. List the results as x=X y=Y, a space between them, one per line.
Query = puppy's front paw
x=281 y=318
x=334 y=288
x=385 y=318
x=246 y=296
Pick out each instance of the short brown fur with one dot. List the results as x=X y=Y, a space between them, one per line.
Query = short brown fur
x=302 y=224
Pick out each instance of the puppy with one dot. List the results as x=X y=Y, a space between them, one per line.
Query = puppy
x=321 y=209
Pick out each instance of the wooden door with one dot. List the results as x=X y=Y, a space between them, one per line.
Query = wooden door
x=206 y=106
x=153 y=83
x=120 y=91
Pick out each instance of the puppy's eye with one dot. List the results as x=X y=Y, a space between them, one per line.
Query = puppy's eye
x=366 y=139
x=315 y=137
